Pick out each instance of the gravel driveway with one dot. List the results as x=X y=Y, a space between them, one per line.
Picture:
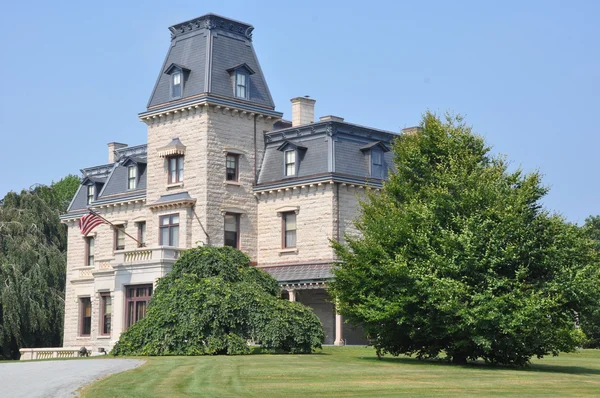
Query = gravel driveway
x=56 y=378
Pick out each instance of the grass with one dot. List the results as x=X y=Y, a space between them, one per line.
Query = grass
x=350 y=371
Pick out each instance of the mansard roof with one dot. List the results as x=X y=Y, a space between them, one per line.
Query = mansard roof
x=330 y=149
x=209 y=47
x=113 y=178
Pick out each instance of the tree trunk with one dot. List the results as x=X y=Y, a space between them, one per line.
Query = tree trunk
x=459 y=359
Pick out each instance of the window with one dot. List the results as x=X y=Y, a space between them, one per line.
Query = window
x=119 y=237
x=241 y=85
x=105 y=313
x=85 y=316
x=136 y=302
x=142 y=233
x=90 y=194
x=289 y=229
x=176 y=84
x=90 y=244
x=175 y=169
x=232 y=230
x=131 y=177
x=290 y=163
x=376 y=163
x=169 y=230
x=232 y=167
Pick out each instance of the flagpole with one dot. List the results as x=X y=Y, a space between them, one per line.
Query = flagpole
x=140 y=244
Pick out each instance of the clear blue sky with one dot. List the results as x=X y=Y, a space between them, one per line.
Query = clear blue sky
x=526 y=74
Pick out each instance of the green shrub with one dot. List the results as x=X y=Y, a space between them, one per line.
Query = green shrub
x=214 y=303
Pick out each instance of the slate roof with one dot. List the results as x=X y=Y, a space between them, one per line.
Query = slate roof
x=110 y=180
x=327 y=149
x=300 y=273
x=210 y=47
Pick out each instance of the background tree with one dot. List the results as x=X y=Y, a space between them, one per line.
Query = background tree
x=212 y=302
x=458 y=257
x=33 y=244
x=590 y=320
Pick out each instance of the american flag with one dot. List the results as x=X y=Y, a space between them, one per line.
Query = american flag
x=89 y=222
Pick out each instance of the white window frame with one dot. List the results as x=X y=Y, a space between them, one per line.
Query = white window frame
x=239 y=74
x=294 y=165
x=91 y=194
x=132 y=180
x=177 y=74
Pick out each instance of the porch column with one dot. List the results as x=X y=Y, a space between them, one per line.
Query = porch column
x=339 y=328
x=292 y=294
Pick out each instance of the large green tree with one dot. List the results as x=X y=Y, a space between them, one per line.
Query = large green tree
x=33 y=246
x=212 y=302
x=458 y=258
x=590 y=320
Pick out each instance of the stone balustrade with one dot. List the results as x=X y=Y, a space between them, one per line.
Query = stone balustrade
x=28 y=354
x=147 y=255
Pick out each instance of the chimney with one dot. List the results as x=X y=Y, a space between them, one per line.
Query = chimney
x=303 y=111
x=112 y=147
x=411 y=130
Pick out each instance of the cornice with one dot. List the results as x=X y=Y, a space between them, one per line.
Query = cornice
x=331 y=129
x=102 y=170
x=212 y=22
x=119 y=202
x=187 y=202
x=204 y=103
x=316 y=182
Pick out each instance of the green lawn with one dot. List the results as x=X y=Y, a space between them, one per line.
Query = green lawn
x=350 y=371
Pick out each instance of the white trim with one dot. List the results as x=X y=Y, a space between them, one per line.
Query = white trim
x=286 y=209
x=235 y=151
x=233 y=210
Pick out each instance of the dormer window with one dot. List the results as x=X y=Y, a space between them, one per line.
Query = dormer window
x=241 y=80
x=376 y=163
x=290 y=163
x=176 y=86
x=375 y=154
x=178 y=74
x=241 y=85
x=91 y=193
x=293 y=153
x=131 y=177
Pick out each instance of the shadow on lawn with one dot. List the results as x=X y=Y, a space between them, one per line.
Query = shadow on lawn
x=480 y=365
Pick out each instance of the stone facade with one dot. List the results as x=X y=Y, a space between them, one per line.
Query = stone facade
x=330 y=173
x=315 y=225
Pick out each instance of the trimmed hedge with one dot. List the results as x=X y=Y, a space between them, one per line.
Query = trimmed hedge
x=214 y=303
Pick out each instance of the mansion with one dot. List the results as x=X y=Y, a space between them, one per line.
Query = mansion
x=220 y=167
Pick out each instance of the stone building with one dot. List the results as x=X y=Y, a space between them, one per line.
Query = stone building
x=220 y=167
